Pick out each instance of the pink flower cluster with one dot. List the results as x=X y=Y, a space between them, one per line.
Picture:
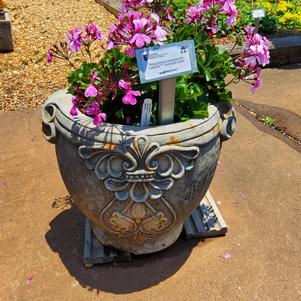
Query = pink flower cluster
x=256 y=48
x=127 y=5
x=136 y=30
x=206 y=11
x=256 y=53
x=75 y=39
x=129 y=96
x=155 y=6
x=83 y=36
x=93 y=110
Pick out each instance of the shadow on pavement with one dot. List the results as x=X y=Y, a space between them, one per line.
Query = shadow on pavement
x=66 y=237
x=290 y=67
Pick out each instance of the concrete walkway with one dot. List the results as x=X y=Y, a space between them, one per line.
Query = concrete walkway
x=41 y=238
x=281 y=88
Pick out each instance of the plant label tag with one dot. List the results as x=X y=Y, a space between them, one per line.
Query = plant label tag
x=258 y=13
x=166 y=61
x=146 y=112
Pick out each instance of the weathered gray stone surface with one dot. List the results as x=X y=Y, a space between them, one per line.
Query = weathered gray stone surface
x=6 y=39
x=137 y=185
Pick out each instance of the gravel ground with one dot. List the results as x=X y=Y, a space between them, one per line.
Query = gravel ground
x=26 y=80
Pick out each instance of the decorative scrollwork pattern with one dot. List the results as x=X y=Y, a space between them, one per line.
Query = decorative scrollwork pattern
x=139 y=170
x=137 y=221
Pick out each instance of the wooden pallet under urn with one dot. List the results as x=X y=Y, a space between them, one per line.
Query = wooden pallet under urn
x=205 y=222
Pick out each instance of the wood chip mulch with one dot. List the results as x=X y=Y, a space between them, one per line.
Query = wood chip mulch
x=26 y=79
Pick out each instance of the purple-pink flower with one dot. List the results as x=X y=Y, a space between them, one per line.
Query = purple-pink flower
x=255 y=53
x=134 y=4
x=73 y=111
x=256 y=85
x=258 y=82
x=256 y=48
x=129 y=96
x=93 y=32
x=49 y=56
x=168 y=13
x=94 y=75
x=140 y=38
x=91 y=91
x=94 y=111
x=195 y=13
x=83 y=36
x=231 y=11
x=136 y=30
x=159 y=34
x=206 y=11
x=74 y=37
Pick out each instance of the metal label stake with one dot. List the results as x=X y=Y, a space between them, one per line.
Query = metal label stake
x=167 y=94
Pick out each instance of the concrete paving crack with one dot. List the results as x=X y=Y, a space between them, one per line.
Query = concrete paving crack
x=278 y=122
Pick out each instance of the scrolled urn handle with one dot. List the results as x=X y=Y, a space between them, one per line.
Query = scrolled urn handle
x=48 y=126
x=228 y=117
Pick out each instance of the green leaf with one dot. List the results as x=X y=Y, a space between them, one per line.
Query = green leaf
x=208 y=75
x=202 y=113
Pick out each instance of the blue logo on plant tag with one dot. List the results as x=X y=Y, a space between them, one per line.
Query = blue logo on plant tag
x=183 y=49
x=145 y=57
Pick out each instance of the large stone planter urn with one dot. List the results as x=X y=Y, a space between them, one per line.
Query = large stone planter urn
x=136 y=185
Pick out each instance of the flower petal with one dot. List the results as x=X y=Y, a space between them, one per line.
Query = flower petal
x=73 y=111
x=91 y=91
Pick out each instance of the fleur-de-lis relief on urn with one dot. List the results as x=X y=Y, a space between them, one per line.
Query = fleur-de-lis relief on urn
x=139 y=170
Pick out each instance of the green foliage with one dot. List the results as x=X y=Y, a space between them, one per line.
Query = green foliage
x=269 y=24
x=195 y=91
x=115 y=60
x=270 y=121
x=245 y=18
x=114 y=66
x=81 y=77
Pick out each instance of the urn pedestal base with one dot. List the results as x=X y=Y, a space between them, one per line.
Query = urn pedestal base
x=206 y=221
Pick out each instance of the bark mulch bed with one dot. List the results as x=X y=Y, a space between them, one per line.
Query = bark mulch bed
x=26 y=80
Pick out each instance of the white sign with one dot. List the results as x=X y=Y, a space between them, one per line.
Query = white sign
x=258 y=13
x=169 y=60
x=146 y=112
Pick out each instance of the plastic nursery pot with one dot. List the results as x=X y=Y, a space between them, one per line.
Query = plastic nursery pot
x=137 y=185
